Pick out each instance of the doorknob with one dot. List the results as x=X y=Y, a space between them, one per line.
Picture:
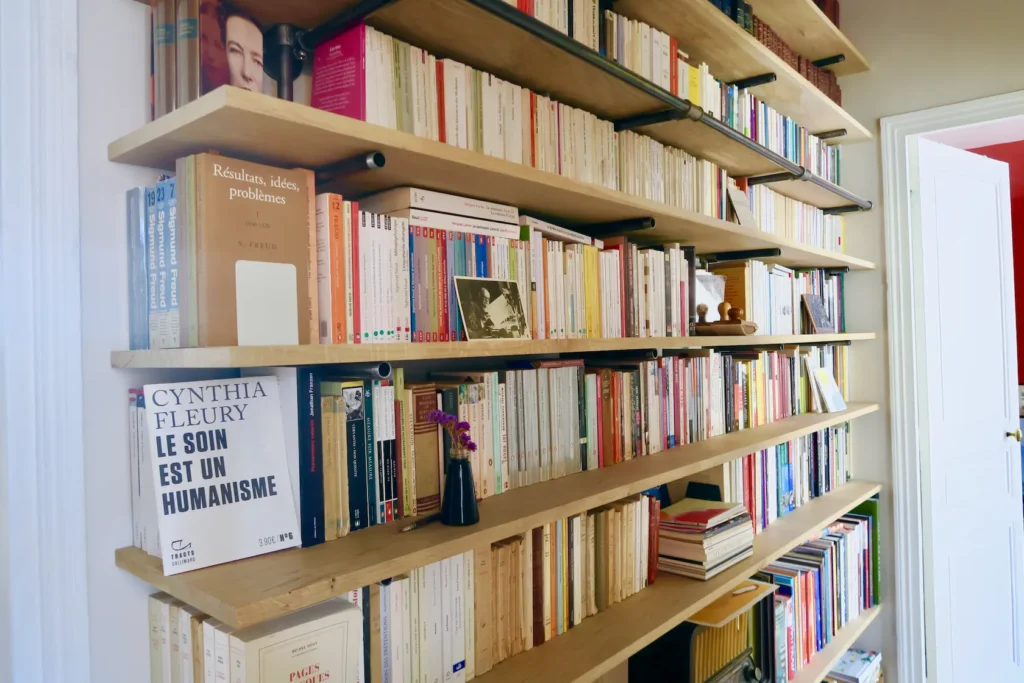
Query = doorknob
x=1017 y=435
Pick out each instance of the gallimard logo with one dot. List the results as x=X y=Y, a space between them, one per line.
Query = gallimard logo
x=255 y=182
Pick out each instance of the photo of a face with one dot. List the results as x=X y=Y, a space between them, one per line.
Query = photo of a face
x=243 y=41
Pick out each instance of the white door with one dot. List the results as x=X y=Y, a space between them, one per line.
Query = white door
x=974 y=528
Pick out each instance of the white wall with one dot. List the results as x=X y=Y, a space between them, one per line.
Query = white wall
x=923 y=54
x=113 y=76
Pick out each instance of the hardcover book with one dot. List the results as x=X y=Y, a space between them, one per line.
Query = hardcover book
x=222 y=486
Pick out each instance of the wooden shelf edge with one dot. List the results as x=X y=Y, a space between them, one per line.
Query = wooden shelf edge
x=249 y=591
x=812 y=34
x=823 y=661
x=335 y=354
x=238 y=122
x=606 y=640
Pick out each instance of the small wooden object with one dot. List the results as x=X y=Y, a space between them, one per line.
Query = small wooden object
x=731 y=322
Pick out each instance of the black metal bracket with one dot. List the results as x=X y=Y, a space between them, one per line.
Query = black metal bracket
x=742 y=255
x=348 y=17
x=371 y=161
x=829 y=134
x=837 y=271
x=829 y=61
x=692 y=112
x=282 y=57
x=600 y=230
x=836 y=210
x=754 y=81
x=776 y=177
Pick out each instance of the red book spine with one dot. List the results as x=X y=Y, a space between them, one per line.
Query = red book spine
x=533 y=129
x=673 y=66
x=652 y=538
x=600 y=432
x=617 y=433
x=442 y=243
x=440 y=100
x=357 y=277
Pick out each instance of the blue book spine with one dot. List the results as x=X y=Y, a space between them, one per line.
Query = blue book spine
x=161 y=341
x=173 y=286
x=412 y=284
x=152 y=272
x=138 y=268
x=481 y=256
x=371 y=450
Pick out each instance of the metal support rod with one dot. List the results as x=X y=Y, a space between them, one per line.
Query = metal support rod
x=742 y=255
x=829 y=61
x=370 y=161
x=693 y=112
x=851 y=208
x=309 y=40
x=754 y=81
x=282 y=62
x=829 y=134
x=618 y=227
x=773 y=178
x=837 y=271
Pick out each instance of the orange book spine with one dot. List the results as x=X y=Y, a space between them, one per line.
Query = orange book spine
x=313 y=307
x=336 y=225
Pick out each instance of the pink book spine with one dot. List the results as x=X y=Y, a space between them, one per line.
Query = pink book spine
x=339 y=74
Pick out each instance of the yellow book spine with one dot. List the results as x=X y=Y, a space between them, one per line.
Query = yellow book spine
x=694 y=84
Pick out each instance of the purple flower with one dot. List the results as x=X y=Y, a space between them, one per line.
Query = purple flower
x=448 y=419
x=462 y=426
x=471 y=446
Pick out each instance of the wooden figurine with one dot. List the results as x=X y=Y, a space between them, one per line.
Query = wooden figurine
x=731 y=323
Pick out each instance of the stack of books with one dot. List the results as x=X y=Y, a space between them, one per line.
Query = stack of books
x=857 y=666
x=701 y=538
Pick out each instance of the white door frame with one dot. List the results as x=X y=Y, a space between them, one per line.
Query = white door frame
x=904 y=248
x=44 y=619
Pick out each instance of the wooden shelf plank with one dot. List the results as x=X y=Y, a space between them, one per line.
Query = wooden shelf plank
x=708 y=35
x=810 y=33
x=260 y=588
x=333 y=354
x=251 y=125
x=826 y=658
x=809 y=193
x=606 y=640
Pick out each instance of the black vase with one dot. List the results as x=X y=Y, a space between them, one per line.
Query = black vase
x=459 y=505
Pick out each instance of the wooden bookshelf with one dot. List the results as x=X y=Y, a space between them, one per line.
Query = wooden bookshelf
x=826 y=658
x=708 y=35
x=260 y=588
x=332 y=354
x=808 y=31
x=255 y=126
x=605 y=640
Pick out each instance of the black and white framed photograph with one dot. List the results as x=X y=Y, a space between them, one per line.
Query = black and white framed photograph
x=353 y=403
x=491 y=309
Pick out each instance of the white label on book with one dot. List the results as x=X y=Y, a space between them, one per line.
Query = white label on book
x=222 y=487
x=266 y=303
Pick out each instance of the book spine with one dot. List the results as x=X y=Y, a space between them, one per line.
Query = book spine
x=152 y=269
x=370 y=452
x=355 y=446
x=311 y=476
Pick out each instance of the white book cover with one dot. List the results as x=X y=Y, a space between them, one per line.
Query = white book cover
x=220 y=471
x=397 y=649
x=319 y=643
x=323 y=266
x=165 y=638
x=236 y=661
x=458 y=618
x=404 y=279
x=209 y=650
x=185 y=614
x=389 y=255
x=386 y=634
x=469 y=619
x=490 y=115
x=406 y=653
x=222 y=652
x=156 y=648
x=552 y=231
x=433 y=664
x=133 y=467
x=447 y=622
x=504 y=484
x=400 y=198
x=444 y=221
x=415 y=624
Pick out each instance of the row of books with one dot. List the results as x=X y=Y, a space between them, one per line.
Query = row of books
x=659 y=58
x=742 y=13
x=377 y=458
x=480 y=112
x=384 y=269
x=779 y=215
x=823 y=585
x=578 y=19
x=320 y=643
x=773 y=296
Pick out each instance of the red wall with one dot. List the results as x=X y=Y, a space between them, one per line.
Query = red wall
x=1013 y=154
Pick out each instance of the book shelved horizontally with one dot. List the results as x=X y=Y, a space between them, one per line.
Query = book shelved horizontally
x=260 y=588
x=494 y=36
x=254 y=125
